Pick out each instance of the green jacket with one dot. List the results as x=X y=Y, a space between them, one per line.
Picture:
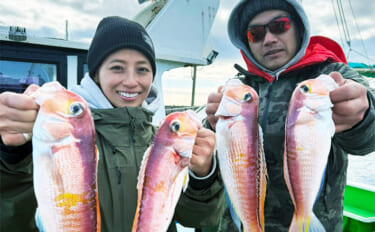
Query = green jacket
x=17 y=200
x=123 y=134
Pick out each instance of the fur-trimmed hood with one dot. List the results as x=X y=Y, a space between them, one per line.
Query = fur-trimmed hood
x=95 y=98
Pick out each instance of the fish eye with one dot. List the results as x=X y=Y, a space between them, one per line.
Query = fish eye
x=305 y=89
x=247 y=96
x=175 y=126
x=76 y=109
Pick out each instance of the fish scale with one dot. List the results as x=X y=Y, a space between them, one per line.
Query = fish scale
x=240 y=154
x=309 y=128
x=164 y=171
x=64 y=162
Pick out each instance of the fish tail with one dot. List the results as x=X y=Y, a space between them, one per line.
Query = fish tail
x=306 y=224
x=236 y=219
x=315 y=225
x=38 y=221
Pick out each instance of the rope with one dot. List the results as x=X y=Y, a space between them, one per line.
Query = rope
x=359 y=32
x=337 y=21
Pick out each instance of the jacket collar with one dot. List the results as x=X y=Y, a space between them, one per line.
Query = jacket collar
x=319 y=49
x=95 y=98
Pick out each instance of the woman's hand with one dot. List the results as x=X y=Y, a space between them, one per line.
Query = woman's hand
x=17 y=116
x=201 y=160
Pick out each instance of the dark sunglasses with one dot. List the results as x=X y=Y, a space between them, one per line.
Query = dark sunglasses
x=277 y=26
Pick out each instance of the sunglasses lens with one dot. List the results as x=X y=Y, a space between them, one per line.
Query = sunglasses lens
x=256 y=34
x=279 y=26
x=276 y=26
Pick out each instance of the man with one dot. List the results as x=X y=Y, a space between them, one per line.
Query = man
x=274 y=40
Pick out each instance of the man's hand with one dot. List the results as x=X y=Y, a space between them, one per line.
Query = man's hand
x=201 y=160
x=213 y=102
x=350 y=102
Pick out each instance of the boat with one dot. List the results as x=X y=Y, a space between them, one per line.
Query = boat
x=363 y=69
x=29 y=59
x=359 y=208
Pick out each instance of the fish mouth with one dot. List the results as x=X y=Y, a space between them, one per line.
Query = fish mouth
x=228 y=108
x=186 y=153
x=67 y=140
x=318 y=103
x=184 y=147
x=53 y=130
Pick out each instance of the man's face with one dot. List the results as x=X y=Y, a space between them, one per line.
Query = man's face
x=275 y=49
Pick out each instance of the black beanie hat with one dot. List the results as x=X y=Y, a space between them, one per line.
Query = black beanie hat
x=114 y=33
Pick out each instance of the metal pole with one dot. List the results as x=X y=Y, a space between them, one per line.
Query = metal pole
x=194 y=79
x=66 y=30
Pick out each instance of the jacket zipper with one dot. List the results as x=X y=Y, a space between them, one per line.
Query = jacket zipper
x=268 y=100
x=266 y=108
x=132 y=141
x=119 y=189
x=118 y=172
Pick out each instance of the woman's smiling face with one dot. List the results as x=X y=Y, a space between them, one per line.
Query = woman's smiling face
x=125 y=78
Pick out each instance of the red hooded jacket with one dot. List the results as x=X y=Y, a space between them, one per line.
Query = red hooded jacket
x=320 y=49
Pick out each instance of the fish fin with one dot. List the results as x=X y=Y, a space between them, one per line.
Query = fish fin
x=141 y=176
x=286 y=172
x=98 y=217
x=315 y=225
x=186 y=182
x=263 y=178
x=38 y=221
x=321 y=184
x=260 y=133
x=306 y=224
x=175 y=193
x=236 y=219
x=142 y=170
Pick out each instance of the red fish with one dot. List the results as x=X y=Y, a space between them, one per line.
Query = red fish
x=308 y=131
x=65 y=161
x=164 y=171
x=240 y=154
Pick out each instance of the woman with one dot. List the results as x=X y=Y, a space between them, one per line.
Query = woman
x=121 y=63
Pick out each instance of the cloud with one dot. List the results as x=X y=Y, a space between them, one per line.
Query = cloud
x=48 y=17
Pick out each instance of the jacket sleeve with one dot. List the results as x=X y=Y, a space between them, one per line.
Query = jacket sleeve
x=359 y=140
x=203 y=202
x=17 y=200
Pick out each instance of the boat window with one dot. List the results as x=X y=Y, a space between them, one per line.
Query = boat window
x=15 y=76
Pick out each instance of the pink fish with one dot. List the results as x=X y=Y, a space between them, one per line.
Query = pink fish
x=308 y=131
x=164 y=171
x=65 y=161
x=240 y=154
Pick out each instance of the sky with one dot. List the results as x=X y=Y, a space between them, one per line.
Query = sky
x=47 y=18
